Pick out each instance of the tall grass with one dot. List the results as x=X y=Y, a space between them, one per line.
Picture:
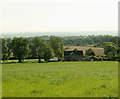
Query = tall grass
x=60 y=79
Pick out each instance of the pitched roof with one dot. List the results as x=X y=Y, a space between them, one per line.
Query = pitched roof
x=98 y=51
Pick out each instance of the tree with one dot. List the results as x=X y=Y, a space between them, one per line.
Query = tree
x=57 y=45
x=19 y=48
x=110 y=56
x=49 y=53
x=38 y=45
x=5 y=50
x=111 y=47
x=60 y=54
x=32 y=51
x=90 y=52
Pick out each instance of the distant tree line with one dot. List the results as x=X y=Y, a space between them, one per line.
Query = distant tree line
x=89 y=40
x=84 y=40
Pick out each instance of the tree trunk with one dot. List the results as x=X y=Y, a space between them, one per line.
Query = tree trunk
x=39 y=59
x=19 y=60
x=59 y=59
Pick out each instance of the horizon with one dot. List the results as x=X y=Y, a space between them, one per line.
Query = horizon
x=60 y=34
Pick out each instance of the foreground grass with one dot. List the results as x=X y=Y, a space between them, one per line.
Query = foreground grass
x=60 y=79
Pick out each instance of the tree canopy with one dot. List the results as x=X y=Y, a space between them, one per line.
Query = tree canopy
x=19 y=48
x=57 y=45
x=38 y=47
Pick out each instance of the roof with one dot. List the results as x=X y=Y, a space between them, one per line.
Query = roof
x=98 y=51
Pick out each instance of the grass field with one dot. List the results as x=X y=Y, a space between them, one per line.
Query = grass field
x=60 y=79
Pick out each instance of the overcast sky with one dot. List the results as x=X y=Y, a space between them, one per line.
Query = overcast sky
x=59 y=15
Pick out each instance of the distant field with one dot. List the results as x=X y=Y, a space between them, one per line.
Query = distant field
x=60 y=79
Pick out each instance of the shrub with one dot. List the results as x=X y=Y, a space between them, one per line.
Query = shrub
x=90 y=52
x=110 y=56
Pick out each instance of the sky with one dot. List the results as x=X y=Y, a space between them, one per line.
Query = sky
x=59 y=15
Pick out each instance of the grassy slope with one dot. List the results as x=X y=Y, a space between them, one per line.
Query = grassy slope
x=71 y=79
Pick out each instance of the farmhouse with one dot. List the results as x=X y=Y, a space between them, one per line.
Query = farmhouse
x=70 y=54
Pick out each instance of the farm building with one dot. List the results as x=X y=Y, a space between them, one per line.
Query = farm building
x=98 y=51
x=69 y=54
x=73 y=55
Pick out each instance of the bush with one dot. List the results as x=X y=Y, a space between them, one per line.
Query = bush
x=100 y=59
x=110 y=56
x=90 y=52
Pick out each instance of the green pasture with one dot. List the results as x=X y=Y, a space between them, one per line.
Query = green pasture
x=60 y=79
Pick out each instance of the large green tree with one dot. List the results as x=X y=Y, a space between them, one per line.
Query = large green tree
x=110 y=47
x=38 y=47
x=57 y=45
x=19 y=48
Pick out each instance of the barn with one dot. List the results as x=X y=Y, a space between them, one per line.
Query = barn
x=71 y=55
